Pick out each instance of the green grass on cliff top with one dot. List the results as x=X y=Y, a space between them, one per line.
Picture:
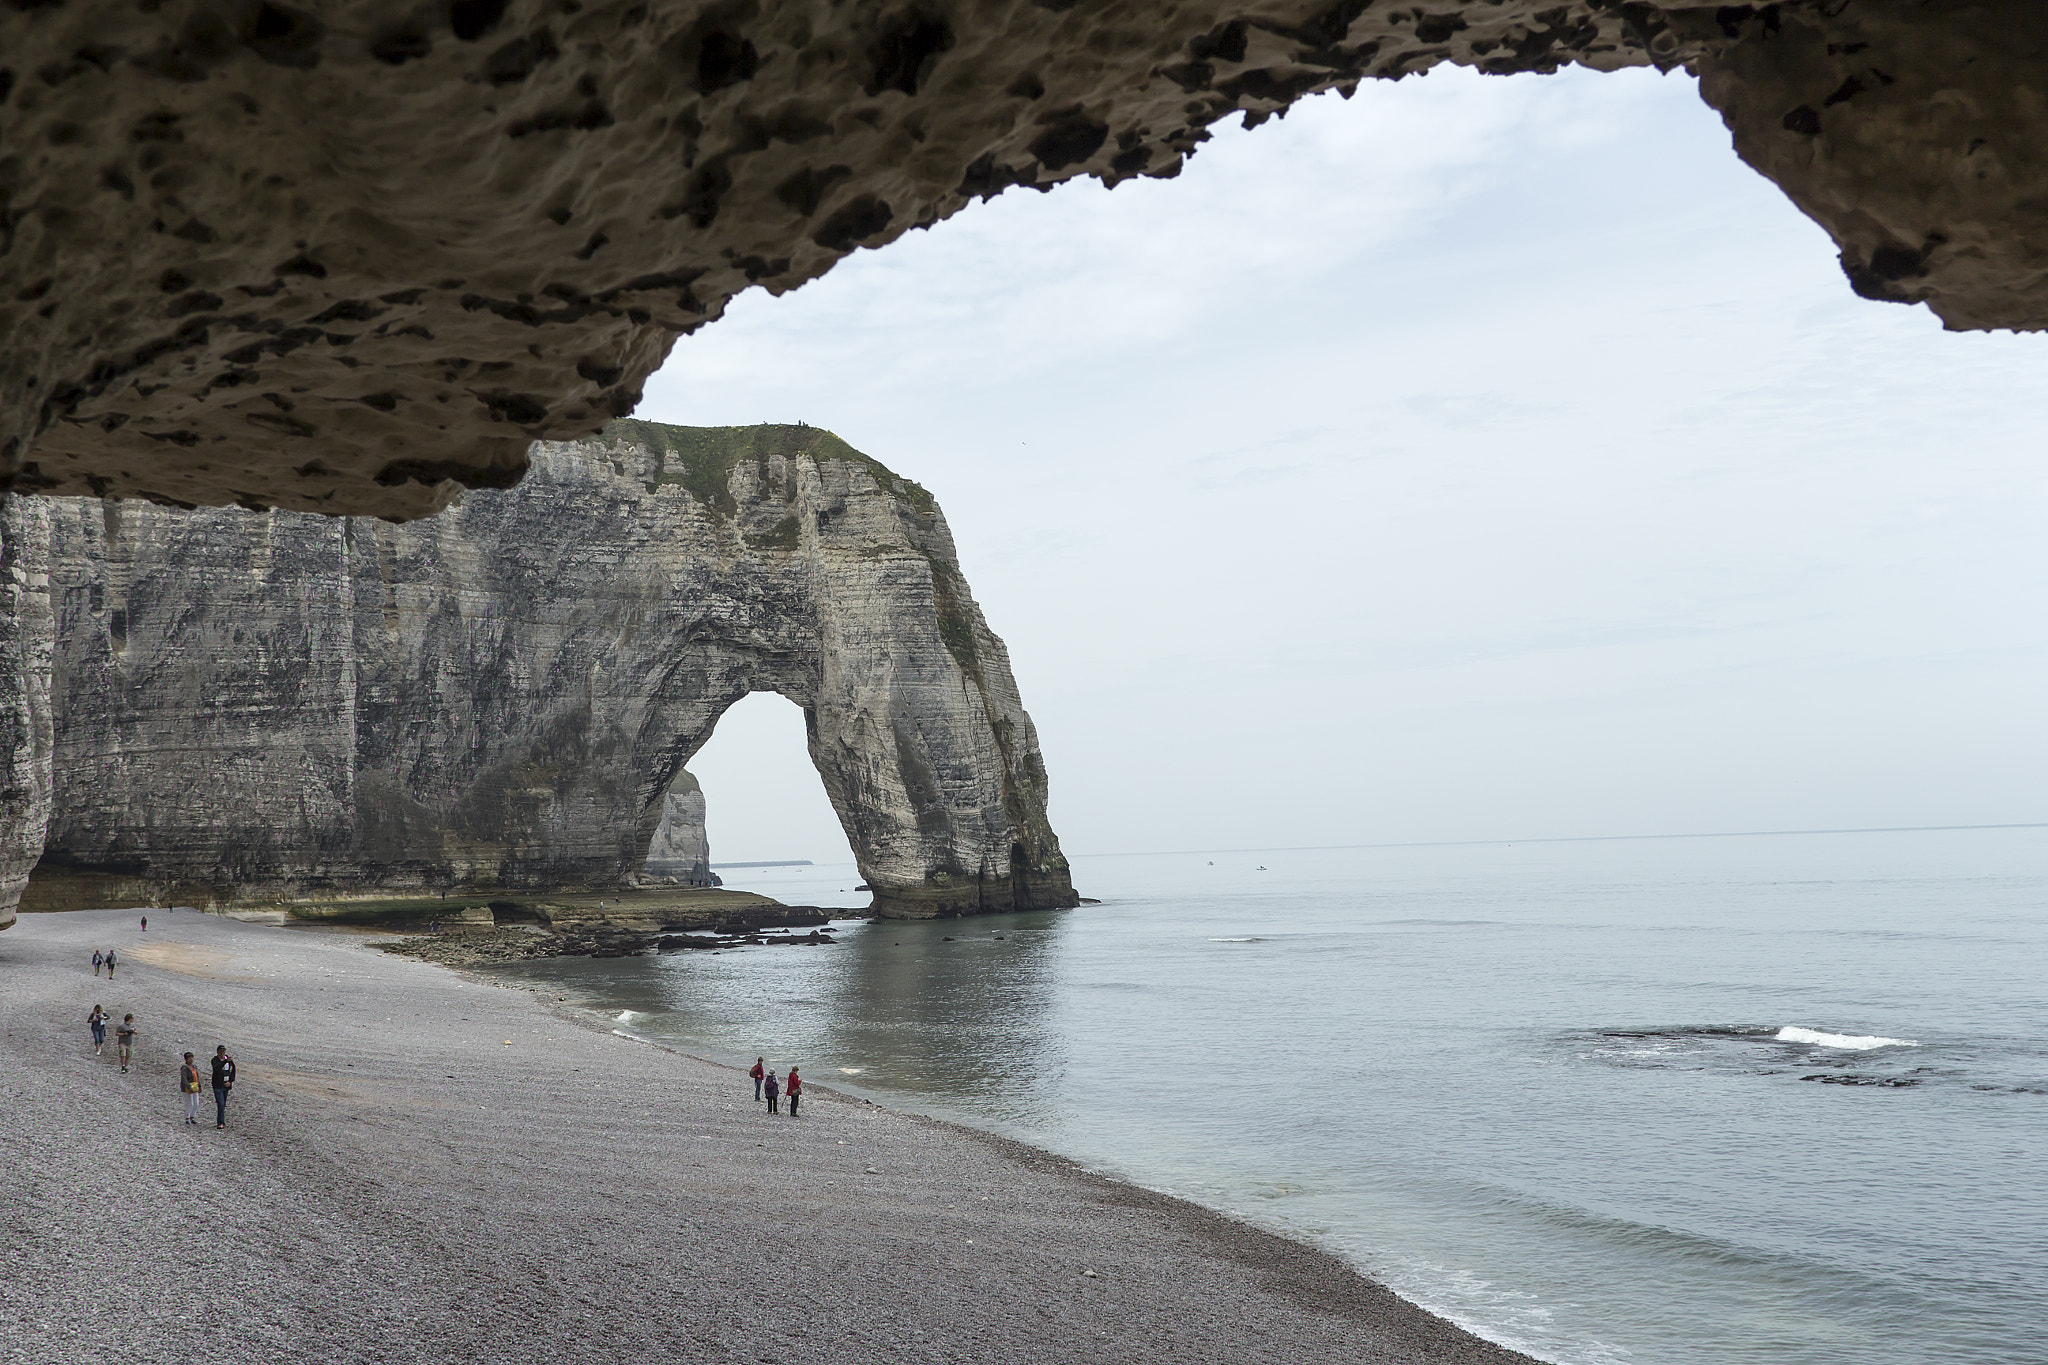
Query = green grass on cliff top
x=702 y=459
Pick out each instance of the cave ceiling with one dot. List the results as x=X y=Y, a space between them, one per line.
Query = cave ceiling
x=352 y=256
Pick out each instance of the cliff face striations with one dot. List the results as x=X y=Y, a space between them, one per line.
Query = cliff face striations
x=264 y=703
x=351 y=257
x=26 y=641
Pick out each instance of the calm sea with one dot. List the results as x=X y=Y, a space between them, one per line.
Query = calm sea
x=1771 y=1100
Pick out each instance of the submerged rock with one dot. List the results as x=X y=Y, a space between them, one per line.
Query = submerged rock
x=263 y=704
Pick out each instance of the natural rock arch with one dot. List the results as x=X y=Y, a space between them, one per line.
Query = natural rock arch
x=352 y=256
x=259 y=704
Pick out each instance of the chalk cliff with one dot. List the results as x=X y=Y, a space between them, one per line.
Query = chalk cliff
x=265 y=703
x=26 y=640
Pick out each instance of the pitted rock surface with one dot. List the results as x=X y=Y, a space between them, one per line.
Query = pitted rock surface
x=258 y=704
x=350 y=256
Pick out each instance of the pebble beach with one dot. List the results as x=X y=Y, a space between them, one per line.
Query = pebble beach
x=420 y=1166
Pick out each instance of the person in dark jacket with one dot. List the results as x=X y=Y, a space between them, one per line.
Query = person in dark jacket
x=110 y=964
x=98 y=1021
x=757 y=1073
x=773 y=1089
x=98 y=957
x=223 y=1081
x=795 y=1088
x=124 y=1038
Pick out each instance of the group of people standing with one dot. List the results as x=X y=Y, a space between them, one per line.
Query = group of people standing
x=767 y=1087
x=223 y=1082
x=189 y=1076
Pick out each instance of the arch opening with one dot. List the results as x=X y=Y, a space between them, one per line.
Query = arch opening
x=752 y=812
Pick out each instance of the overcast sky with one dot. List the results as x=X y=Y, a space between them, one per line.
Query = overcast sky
x=1476 y=458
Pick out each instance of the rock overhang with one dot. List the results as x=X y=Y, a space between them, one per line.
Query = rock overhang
x=352 y=256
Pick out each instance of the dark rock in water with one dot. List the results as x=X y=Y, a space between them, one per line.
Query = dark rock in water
x=1851 y=1078
x=772 y=917
x=671 y=943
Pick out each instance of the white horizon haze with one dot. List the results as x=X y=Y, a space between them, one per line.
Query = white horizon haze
x=1476 y=459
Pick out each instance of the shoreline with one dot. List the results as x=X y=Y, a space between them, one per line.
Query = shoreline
x=461 y=1152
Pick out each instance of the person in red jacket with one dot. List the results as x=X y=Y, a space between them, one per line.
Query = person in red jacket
x=757 y=1073
x=793 y=1087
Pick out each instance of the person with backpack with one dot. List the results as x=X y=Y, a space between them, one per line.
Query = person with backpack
x=145 y=924
x=757 y=1073
x=773 y=1089
x=223 y=1081
x=97 y=1021
x=124 y=1038
x=188 y=1085
x=98 y=957
x=794 y=1087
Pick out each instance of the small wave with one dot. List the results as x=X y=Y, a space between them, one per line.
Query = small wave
x=1237 y=940
x=627 y=1016
x=1855 y=1042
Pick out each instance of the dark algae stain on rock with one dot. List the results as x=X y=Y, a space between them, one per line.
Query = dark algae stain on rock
x=275 y=705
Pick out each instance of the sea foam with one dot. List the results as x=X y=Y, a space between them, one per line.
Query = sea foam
x=1853 y=1042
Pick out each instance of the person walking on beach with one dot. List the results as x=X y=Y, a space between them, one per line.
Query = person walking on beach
x=188 y=1085
x=773 y=1089
x=110 y=964
x=124 y=1038
x=794 y=1086
x=145 y=924
x=223 y=1081
x=98 y=1020
x=757 y=1073
x=98 y=957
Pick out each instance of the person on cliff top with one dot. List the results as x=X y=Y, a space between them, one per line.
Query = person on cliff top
x=794 y=1085
x=223 y=1081
x=97 y=1020
x=124 y=1038
x=188 y=1086
x=773 y=1089
x=757 y=1073
x=98 y=957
